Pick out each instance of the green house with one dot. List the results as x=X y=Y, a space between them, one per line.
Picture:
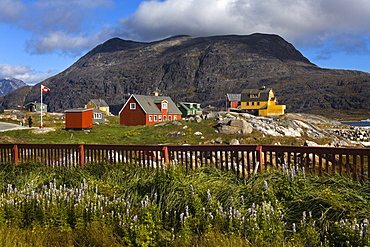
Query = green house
x=36 y=107
x=189 y=109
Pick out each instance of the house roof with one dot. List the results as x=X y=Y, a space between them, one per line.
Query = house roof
x=233 y=97
x=99 y=102
x=263 y=94
x=36 y=104
x=79 y=110
x=95 y=110
x=148 y=104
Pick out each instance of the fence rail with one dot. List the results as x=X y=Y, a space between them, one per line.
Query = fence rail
x=241 y=159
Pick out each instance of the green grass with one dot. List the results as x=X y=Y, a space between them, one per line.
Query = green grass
x=113 y=205
x=112 y=132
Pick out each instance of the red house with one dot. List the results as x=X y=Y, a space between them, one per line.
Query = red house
x=79 y=119
x=232 y=101
x=147 y=110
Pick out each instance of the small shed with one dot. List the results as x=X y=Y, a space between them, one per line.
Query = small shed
x=98 y=115
x=78 y=119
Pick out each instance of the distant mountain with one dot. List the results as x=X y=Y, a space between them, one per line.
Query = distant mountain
x=201 y=70
x=9 y=84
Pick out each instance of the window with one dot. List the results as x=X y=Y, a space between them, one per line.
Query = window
x=155 y=118
x=97 y=116
x=160 y=118
x=132 y=106
x=174 y=117
x=150 y=118
x=252 y=103
x=258 y=103
x=247 y=103
x=164 y=105
x=169 y=117
x=164 y=117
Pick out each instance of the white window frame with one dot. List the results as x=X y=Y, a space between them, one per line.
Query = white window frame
x=132 y=106
x=159 y=118
x=150 y=118
x=174 y=117
x=169 y=117
x=155 y=118
x=164 y=118
x=164 y=105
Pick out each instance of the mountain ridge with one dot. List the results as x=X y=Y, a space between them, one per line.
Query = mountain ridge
x=9 y=84
x=202 y=69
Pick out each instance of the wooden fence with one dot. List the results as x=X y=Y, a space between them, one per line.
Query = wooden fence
x=241 y=159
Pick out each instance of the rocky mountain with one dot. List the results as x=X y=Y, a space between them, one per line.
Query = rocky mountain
x=201 y=69
x=9 y=84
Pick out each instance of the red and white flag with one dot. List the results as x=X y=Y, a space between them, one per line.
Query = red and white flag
x=45 y=89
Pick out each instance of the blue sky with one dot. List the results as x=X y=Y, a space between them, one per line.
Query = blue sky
x=40 y=38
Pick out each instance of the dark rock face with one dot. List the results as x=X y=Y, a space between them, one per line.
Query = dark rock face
x=203 y=70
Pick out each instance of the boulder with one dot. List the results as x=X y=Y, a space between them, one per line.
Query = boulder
x=176 y=134
x=235 y=126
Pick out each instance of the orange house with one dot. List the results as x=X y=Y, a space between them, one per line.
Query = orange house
x=147 y=110
x=79 y=119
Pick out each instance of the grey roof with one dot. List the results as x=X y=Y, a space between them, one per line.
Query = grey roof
x=95 y=110
x=99 y=102
x=79 y=110
x=233 y=97
x=263 y=94
x=148 y=104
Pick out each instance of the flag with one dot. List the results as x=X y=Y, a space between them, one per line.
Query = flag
x=45 y=89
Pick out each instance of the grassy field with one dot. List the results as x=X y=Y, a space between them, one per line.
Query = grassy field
x=126 y=205
x=112 y=132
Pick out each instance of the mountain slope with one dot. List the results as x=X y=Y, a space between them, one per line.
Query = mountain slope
x=9 y=84
x=203 y=70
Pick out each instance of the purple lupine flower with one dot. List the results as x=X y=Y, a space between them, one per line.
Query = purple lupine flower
x=209 y=197
x=192 y=190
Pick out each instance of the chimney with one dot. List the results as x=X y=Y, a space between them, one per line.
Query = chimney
x=156 y=92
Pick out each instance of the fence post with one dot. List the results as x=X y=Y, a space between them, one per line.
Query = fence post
x=259 y=156
x=82 y=154
x=15 y=153
x=166 y=156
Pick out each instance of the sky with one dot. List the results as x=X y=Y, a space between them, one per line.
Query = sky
x=40 y=38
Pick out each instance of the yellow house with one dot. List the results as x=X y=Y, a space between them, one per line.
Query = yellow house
x=98 y=104
x=261 y=101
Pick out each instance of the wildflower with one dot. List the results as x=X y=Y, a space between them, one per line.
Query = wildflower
x=294 y=227
x=211 y=216
x=266 y=185
x=135 y=218
x=155 y=196
x=192 y=189
x=209 y=197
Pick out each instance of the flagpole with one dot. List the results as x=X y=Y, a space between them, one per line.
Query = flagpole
x=41 y=105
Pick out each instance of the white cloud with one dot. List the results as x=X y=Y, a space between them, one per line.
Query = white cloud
x=23 y=73
x=57 y=25
x=304 y=22
x=10 y=10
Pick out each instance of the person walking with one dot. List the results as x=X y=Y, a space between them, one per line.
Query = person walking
x=30 y=122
